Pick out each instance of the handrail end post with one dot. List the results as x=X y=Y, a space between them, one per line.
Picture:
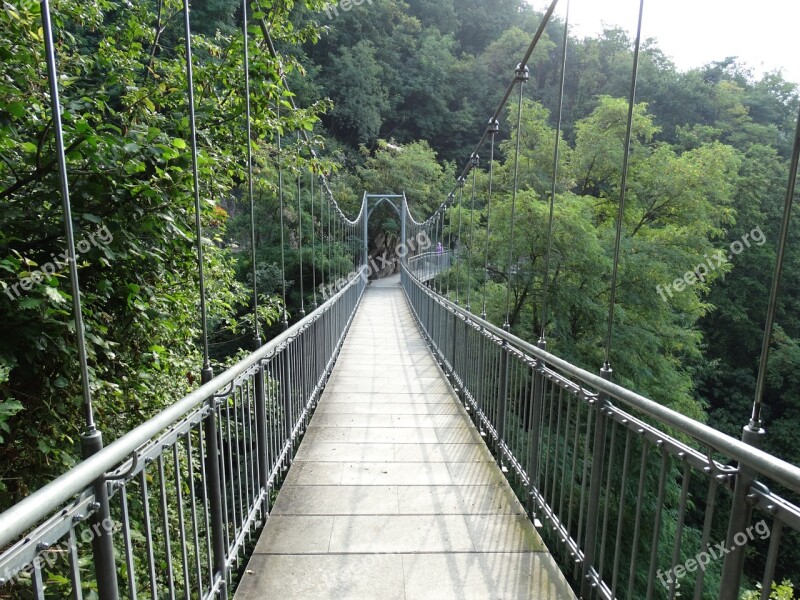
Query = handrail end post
x=102 y=525
x=741 y=515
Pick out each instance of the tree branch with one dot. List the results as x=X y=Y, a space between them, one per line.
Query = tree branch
x=39 y=172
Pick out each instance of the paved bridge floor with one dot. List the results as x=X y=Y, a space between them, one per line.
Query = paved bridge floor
x=393 y=495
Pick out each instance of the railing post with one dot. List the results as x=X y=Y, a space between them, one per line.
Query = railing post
x=741 y=515
x=215 y=491
x=593 y=510
x=261 y=433
x=480 y=395
x=301 y=372
x=102 y=527
x=454 y=359
x=502 y=404
x=286 y=395
x=535 y=427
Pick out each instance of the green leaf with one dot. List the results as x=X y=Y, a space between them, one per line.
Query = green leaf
x=17 y=109
x=54 y=295
x=30 y=302
x=10 y=408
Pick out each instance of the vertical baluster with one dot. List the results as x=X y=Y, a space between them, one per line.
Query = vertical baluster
x=162 y=484
x=772 y=558
x=564 y=482
x=657 y=525
x=502 y=403
x=552 y=437
x=594 y=485
x=181 y=519
x=37 y=582
x=234 y=458
x=193 y=504
x=711 y=504
x=126 y=536
x=612 y=455
x=572 y=477
x=148 y=536
x=75 y=569
x=623 y=486
x=208 y=507
x=638 y=520
x=676 y=549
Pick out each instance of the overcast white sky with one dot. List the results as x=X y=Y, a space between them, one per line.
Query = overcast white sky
x=765 y=33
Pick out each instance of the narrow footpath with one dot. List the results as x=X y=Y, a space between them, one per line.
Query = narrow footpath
x=393 y=494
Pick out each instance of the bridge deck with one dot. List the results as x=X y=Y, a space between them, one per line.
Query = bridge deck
x=393 y=494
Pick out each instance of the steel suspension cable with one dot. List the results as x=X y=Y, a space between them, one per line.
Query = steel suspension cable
x=313 y=241
x=623 y=188
x=435 y=245
x=556 y=156
x=476 y=161
x=300 y=230
x=494 y=128
x=66 y=207
x=285 y=319
x=521 y=75
x=755 y=419
x=250 y=194
x=331 y=280
x=323 y=241
x=458 y=241
x=441 y=254
x=451 y=203
x=207 y=372
x=339 y=247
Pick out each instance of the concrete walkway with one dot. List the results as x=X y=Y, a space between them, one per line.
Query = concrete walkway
x=393 y=494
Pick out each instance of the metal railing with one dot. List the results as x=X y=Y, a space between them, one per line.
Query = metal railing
x=621 y=485
x=189 y=488
x=427 y=265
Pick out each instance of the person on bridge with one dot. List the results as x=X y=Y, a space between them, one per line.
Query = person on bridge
x=439 y=249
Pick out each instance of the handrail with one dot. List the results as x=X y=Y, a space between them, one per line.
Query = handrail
x=18 y=519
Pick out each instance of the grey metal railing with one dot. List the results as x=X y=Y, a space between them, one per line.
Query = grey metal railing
x=190 y=487
x=621 y=485
x=428 y=265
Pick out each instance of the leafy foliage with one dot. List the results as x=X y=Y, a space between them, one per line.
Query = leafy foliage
x=126 y=129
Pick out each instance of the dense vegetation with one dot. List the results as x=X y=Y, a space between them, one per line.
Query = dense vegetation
x=126 y=128
x=412 y=84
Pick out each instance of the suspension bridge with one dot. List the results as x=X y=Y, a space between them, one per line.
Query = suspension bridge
x=394 y=443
